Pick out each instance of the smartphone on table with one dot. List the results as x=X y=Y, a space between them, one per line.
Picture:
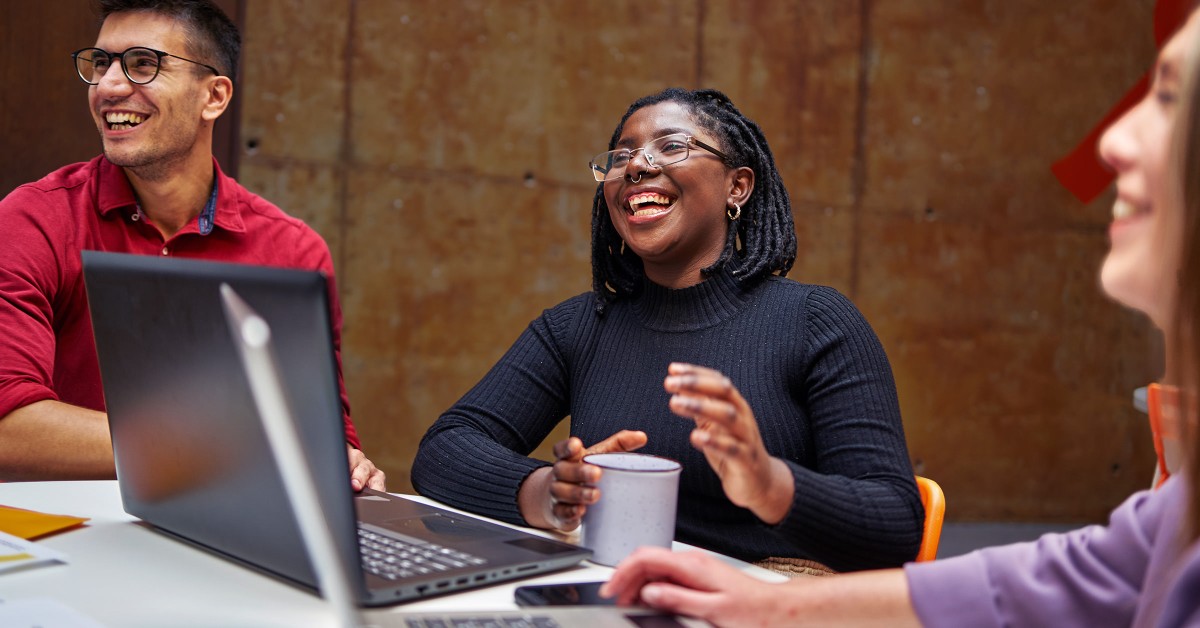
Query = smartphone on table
x=606 y=613
x=564 y=594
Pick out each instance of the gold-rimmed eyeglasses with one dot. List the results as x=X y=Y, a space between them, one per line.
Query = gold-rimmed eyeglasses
x=139 y=63
x=664 y=151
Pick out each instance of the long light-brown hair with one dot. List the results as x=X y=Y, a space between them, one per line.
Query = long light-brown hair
x=1185 y=181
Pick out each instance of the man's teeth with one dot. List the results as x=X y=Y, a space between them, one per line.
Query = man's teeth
x=123 y=121
x=1123 y=209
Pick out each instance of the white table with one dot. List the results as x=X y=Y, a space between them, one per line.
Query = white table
x=120 y=573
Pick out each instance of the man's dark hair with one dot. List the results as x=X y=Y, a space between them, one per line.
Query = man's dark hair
x=764 y=229
x=211 y=36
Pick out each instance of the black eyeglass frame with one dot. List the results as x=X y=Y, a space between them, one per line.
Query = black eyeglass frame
x=689 y=140
x=125 y=70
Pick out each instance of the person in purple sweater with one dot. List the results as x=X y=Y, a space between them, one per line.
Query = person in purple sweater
x=1141 y=569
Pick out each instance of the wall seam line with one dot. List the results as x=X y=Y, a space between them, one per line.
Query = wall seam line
x=347 y=149
x=701 y=14
x=859 y=174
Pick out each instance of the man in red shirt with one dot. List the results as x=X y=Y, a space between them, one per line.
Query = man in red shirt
x=159 y=76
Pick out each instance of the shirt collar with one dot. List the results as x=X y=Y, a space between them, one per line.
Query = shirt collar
x=222 y=210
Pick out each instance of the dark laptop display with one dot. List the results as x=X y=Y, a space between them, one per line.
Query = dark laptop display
x=192 y=457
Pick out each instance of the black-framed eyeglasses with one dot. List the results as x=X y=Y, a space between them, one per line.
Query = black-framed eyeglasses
x=664 y=151
x=139 y=63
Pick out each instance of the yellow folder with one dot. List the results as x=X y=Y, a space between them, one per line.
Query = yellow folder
x=29 y=524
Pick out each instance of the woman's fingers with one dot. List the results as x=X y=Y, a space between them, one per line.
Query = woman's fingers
x=703 y=382
x=570 y=471
x=717 y=443
x=625 y=440
x=576 y=472
x=683 y=368
x=705 y=395
x=704 y=409
x=569 y=516
x=569 y=449
x=562 y=492
x=576 y=486
x=568 y=495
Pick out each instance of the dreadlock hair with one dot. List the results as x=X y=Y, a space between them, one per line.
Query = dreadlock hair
x=764 y=230
x=211 y=35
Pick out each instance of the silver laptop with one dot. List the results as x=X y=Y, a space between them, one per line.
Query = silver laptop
x=335 y=572
x=193 y=460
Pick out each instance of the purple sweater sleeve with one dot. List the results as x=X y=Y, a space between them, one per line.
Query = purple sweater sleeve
x=1088 y=577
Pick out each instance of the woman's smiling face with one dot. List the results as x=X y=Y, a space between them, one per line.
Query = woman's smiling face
x=1140 y=268
x=673 y=217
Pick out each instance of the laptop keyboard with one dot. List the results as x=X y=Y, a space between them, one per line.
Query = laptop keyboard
x=485 y=621
x=392 y=558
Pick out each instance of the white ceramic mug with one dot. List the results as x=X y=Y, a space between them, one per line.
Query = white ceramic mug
x=638 y=496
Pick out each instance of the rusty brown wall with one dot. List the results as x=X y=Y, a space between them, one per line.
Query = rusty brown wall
x=440 y=147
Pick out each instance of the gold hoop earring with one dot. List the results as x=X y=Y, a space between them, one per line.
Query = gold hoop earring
x=734 y=213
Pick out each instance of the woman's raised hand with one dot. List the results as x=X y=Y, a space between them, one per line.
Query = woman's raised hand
x=728 y=435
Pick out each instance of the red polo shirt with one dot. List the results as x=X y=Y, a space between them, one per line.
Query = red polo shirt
x=47 y=350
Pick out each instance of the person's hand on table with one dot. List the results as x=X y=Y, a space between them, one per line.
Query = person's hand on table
x=728 y=435
x=556 y=497
x=691 y=583
x=363 y=472
x=698 y=585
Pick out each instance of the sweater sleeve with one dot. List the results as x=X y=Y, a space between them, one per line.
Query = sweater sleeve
x=475 y=456
x=859 y=508
x=1088 y=577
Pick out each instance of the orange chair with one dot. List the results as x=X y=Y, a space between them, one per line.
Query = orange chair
x=935 y=510
x=1166 y=426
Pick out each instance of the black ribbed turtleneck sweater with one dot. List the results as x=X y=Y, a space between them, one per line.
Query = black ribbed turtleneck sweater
x=804 y=358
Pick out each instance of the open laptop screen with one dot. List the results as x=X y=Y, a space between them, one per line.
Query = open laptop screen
x=192 y=458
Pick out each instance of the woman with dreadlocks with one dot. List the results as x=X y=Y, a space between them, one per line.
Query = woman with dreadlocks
x=789 y=434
